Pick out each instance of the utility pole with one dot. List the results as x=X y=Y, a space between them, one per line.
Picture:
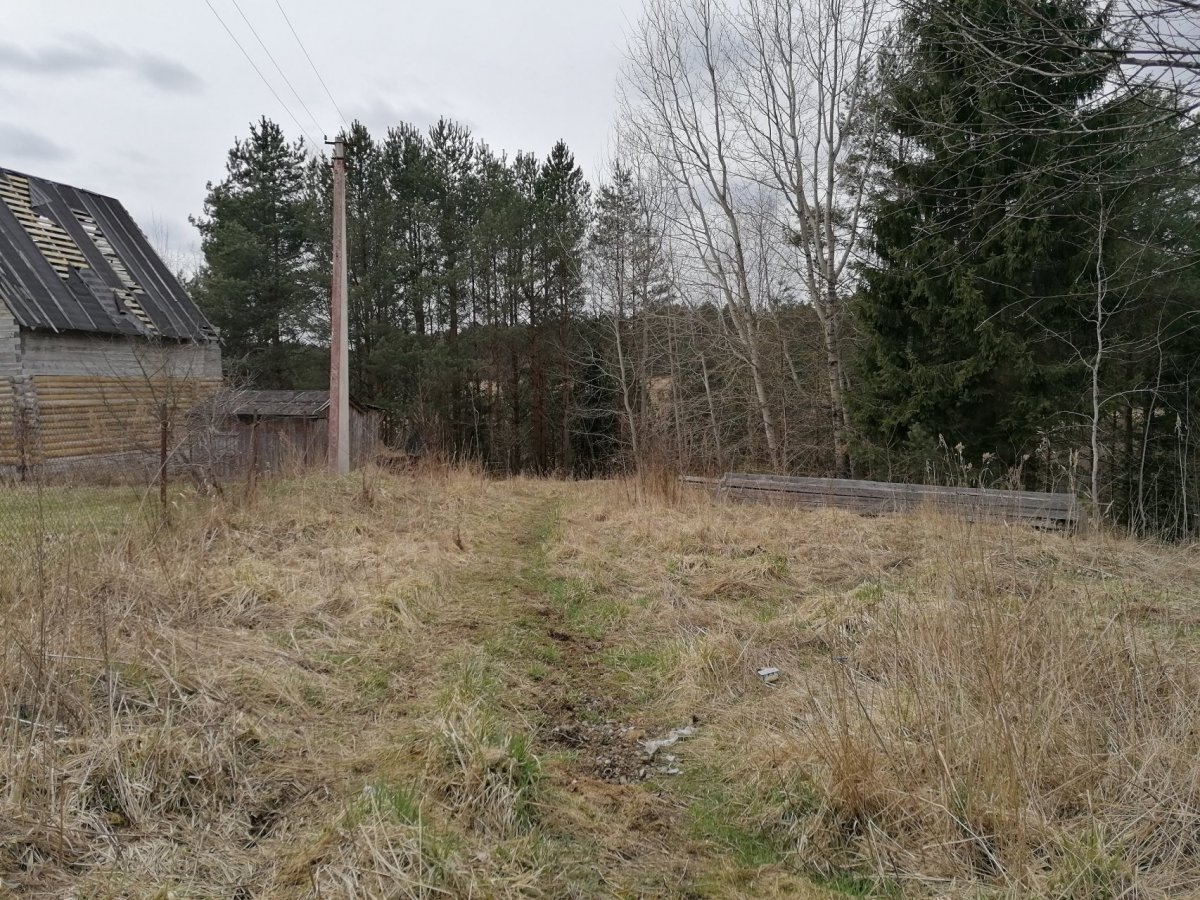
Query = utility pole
x=339 y=340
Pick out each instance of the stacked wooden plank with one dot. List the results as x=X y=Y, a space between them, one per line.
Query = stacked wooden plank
x=877 y=497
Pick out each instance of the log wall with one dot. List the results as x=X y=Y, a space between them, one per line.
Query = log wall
x=91 y=398
x=10 y=368
x=76 y=416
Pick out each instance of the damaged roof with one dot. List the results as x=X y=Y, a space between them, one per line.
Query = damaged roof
x=279 y=404
x=72 y=260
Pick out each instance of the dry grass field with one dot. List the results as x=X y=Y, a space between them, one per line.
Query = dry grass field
x=445 y=686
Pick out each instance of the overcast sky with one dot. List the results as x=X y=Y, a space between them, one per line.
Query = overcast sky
x=141 y=99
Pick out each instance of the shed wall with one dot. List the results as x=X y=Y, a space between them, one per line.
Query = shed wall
x=283 y=444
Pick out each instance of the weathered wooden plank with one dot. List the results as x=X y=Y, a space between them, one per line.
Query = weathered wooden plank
x=831 y=486
x=875 y=498
x=897 y=504
x=868 y=507
x=10 y=346
x=903 y=500
x=866 y=485
x=908 y=494
x=849 y=486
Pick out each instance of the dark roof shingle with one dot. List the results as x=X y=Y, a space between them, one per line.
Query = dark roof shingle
x=306 y=404
x=72 y=260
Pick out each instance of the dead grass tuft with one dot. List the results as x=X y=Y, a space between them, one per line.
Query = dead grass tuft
x=1019 y=740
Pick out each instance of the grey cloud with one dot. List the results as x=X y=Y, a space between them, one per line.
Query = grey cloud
x=173 y=240
x=379 y=114
x=21 y=143
x=167 y=74
x=84 y=55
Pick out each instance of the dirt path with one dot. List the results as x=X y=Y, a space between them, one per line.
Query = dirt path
x=625 y=822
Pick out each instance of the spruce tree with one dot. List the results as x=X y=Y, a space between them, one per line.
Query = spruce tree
x=980 y=242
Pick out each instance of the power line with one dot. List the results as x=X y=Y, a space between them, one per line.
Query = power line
x=278 y=68
x=254 y=66
x=316 y=71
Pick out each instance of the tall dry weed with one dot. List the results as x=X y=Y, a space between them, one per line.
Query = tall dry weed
x=1023 y=740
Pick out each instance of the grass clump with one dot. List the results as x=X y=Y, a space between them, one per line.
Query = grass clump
x=486 y=776
x=383 y=846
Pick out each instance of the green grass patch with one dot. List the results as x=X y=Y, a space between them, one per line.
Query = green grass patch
x=637 y=672
x=314 y=694
x=731 y=819
x=397 y=804
x=869 y=593
x=29 y=513
x=586 y=609
x=469 y=678
x=1092 y=865
x=852 y=884
x=777 y=566
x=376 y=685
x=641 y=658
x=524 y=642
x=749 y=846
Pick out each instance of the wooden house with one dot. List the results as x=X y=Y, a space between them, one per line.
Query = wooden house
x=282 y=431
x=98 y=339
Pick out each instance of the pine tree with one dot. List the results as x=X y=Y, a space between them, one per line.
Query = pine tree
x=254 y=285
x=412 y=188
x=629 y=283
x=562 y=214
x=374 y=266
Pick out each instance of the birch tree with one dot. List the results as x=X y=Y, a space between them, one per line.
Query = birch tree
x=680 y=111
x=803 y=79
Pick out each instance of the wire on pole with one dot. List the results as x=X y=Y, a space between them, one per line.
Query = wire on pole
x=316 y=71
x=258 y=71
x=275 y=63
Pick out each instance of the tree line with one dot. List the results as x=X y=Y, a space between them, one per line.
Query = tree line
x=924 y=240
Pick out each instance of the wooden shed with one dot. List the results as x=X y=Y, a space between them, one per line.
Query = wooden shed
x=280 y=431
x=98 y=339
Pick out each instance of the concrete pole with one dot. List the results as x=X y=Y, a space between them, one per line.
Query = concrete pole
x=339 y=350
